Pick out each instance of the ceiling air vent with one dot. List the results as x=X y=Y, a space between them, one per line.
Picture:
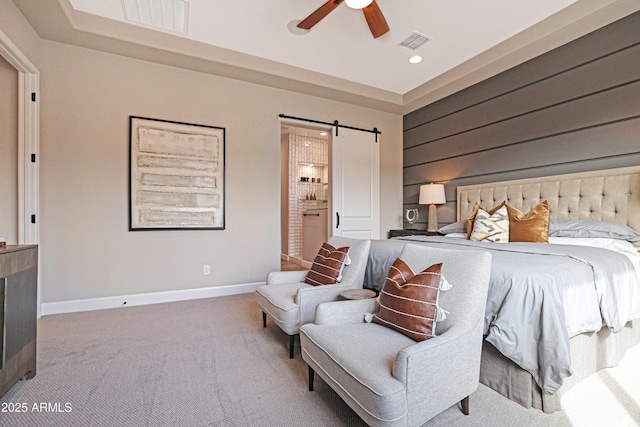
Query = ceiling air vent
x=166 y=15
x=414 y=41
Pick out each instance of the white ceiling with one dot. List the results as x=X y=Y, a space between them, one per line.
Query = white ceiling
x=338 y=58
x=341 y=45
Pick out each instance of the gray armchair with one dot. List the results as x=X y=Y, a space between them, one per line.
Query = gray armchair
x=291 y=303
x=389 y=379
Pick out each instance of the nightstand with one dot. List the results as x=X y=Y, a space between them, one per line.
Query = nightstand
x=406 y=232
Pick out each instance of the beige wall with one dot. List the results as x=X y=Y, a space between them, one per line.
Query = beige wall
x=86 y=248
x=8 y=152
x=86 y=98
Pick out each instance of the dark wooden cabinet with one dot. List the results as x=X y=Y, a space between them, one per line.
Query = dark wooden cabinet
x=18 y=314
x=407 y=232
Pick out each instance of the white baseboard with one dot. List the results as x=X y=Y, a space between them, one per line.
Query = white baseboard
x=144 y=299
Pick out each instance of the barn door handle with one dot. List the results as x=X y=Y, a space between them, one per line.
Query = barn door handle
x=337 y=220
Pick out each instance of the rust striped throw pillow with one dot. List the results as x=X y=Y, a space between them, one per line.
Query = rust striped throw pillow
x=327 y=266
x=409 y=301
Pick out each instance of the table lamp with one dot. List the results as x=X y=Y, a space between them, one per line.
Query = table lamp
x=432 y=195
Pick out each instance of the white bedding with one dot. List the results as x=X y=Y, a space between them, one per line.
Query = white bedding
x=581 y=314
x=620 y=302
x=622 y=246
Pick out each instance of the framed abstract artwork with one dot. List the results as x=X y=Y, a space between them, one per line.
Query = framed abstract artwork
x=176 y=175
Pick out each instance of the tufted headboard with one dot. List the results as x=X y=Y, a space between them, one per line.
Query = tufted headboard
x=607 y=195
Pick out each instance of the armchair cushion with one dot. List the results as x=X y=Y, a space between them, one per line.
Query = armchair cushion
x=409 y=301
x=360 y=358
x=327 y=266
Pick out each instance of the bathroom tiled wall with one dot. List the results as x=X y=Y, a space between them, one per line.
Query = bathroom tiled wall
x=304 y=152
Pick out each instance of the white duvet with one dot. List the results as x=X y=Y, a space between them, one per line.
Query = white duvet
x=618 y=305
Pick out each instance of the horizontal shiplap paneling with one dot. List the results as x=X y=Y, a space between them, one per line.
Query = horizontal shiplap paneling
x=574 y=109
x=595 y=111
x=563 y=88
x=609 y=40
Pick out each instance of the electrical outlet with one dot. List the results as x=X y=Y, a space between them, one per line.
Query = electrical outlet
x=206 y=269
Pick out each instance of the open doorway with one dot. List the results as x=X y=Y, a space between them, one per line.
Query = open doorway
x=28 y=132
x=9 y=152
x=304 y=193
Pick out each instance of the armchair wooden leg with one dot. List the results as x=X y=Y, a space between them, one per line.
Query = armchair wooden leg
x=264 y=319
x=465 y=405
x=311 y=377
x=291 y=343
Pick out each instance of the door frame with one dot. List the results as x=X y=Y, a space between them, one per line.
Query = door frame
x=28 y=144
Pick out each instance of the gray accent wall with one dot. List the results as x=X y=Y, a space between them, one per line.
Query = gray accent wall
x=573 y=109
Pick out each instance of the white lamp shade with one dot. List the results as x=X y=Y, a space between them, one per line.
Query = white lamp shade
x=432 y=193
x=358 y=4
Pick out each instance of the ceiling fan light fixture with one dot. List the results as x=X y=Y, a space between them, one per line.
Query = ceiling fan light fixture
x=358 y=4
x=372 y=13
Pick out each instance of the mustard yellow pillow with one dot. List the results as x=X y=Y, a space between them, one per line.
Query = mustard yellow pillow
x=530 y=227
x=472 y=218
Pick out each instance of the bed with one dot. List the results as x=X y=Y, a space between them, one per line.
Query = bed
x=581 y=293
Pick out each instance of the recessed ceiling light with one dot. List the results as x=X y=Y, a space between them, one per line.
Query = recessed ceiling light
x=415 y=59
x=323 y=134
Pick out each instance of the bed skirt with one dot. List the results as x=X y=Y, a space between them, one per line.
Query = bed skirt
x=589 y=353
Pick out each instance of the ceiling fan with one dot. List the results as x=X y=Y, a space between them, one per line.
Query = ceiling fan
x=372 y=13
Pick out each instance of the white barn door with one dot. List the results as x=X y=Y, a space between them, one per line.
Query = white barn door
x=355 y=184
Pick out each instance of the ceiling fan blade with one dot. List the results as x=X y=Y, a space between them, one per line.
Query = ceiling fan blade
x=377 y=24
x=319 y=14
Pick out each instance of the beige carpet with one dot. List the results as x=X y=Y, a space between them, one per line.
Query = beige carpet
x=210 y=363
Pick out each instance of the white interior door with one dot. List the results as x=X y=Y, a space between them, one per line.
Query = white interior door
x=355 y=184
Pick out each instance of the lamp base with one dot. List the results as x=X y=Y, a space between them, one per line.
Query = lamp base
x=432 y=225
